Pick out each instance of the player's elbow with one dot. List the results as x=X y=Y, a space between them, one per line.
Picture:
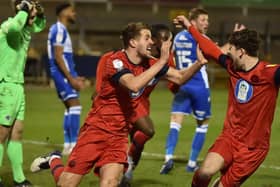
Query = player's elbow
x=13 y=28
x=129 y=82
x=57 y=56
x=179 y=80
x=134 y=88
x=131 y=85
x=184 y=77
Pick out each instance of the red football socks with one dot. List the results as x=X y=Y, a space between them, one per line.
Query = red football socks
x=199 y=181
x=137 y=146
x=56 y=168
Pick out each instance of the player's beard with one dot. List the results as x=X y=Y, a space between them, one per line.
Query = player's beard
x=71 y=20
x=145 y=52
x=235 y=63
x=238 y=67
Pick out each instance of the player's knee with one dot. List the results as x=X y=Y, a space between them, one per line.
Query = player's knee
x=150 y=132
x=17 y=134
x=65 y=183
x=4 y=133
x=203 y=122
x=109 y=182
x=206 y=173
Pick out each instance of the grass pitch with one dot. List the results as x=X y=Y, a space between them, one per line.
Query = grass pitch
x=43 y=133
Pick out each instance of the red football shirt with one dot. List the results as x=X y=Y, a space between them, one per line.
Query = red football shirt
x=251 y=104
x=100 y=68
x=141 y=101
x=251 y=99
x=114 y=105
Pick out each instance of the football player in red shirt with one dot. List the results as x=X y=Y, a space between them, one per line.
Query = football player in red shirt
x=103 y=139
x=143 y=128
x=253 y=89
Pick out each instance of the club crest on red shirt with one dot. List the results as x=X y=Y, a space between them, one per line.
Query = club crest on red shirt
x=243 y=91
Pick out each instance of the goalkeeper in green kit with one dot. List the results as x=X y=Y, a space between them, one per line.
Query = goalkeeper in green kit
x=15 y=36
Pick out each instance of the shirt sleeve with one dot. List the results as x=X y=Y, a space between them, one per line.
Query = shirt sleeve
x=115 y=69
x=277 y=77
x=208 y=47
x=162 y=72
x=224 y=60
x=39 y=24
x=59 y=36
x=15 y=24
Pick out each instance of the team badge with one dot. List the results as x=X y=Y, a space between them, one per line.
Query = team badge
x=118 y=64
x=243 y=91
x=8 y=118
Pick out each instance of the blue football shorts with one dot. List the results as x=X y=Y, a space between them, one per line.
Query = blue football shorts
x=63 y=88
x=193 y=100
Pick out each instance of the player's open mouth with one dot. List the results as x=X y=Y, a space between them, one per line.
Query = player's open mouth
x=149 y=49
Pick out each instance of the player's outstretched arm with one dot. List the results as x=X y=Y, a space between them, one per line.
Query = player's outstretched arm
x=208 y=47
x=136 y=83
x=183 y=75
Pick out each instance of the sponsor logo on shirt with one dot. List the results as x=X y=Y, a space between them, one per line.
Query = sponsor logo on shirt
x=243 y=91
x=138 y=94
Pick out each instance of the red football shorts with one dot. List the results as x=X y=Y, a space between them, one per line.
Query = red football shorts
x=240 y=162
x=141 y=109
x=95 y=148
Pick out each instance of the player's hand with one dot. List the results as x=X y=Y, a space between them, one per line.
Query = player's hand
x=200 y=57
x=78 y=83
x=165 y=49
x=26 y=5
x=181 y=21
x=238 y=27
x=40 y=9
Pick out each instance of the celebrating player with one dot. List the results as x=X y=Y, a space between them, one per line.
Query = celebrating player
x=253 y=88
x=103 y=139
x=15 y=35
x=143 y=128
x=191 y=97
x=62 y=68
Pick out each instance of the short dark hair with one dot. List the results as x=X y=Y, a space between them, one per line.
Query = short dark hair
x=195 y=12
x=132 y=30
x=59 y=8
x=157 y=29
x=246 y=39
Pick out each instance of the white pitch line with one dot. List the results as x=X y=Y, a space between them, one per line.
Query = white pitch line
x=35 y=142
x=156 y=155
